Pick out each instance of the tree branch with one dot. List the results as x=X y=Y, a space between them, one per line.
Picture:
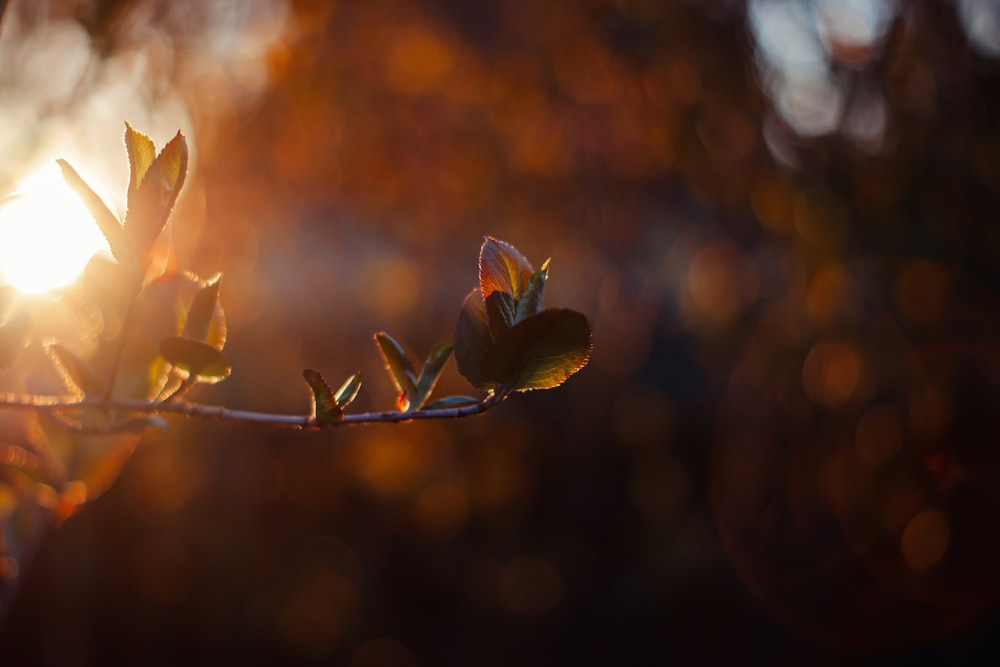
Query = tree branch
x=60 y=404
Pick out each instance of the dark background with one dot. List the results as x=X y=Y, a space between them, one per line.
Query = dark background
x=781 y=219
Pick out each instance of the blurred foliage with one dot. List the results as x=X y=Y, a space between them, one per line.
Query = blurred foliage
x=780 y=219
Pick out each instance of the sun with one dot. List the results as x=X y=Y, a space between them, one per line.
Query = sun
x=47 y=236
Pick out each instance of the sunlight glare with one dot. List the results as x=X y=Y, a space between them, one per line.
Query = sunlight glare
x=47 y=235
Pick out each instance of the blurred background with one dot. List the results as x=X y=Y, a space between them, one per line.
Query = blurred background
x=780 y=217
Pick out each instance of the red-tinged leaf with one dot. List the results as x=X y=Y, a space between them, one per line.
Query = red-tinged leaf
x=348 y=391
x=472 y=339
x=325 y=409
x=539 y=352
x=431 y=371
x=500 y=312
x=106 y=221
x=196 y=357
x=503 y=268
x=400 y=368
x=153 y=198
x=202 y=314
x=77 y=374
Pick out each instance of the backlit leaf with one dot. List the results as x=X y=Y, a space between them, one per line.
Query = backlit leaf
x=202 y=312
x=141 y=153
x=325 y=409
x=400 y=368
x=348 y=391
x=503 y=268
x=500 y=312
x=431 y=371
x=539 y=352
x=530 y=301
x=106 y=221
x=472 y=339
x=150 y=203
x=77 y=374
x=196 y=357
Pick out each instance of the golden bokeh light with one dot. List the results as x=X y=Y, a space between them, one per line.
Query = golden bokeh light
x=47 y=236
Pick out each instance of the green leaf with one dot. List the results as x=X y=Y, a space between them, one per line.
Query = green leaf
x=13 y=339
x=155 y=191
x=325 y=410
x=141 y=153
x=530 y=301
x=202 y=313
x=539 y=352
x=106 y=221
x=77 y=374
x=431 y=371
x=348 y=391
x=451 y=402
x=502 y=268
x=196 y=357
x=472 y=339
x=400 y=368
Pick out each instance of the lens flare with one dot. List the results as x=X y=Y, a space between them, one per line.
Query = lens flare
x=47 y=236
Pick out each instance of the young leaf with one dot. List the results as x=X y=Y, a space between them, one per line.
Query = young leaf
x=76 y=373
x=502 y=268
x=540 y=352
x=154 y=195
x=141 y=153
x=348 y=391
x=202 y=313
x=325 y=409
x=400 y=368
x=431 y=371
x=530 y=301
x=13 y=339
x=196 y=357
x=472 y=339
x=500 y=313
x=451 y=402
x=106 y=221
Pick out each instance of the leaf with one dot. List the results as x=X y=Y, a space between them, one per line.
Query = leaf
x=13 y=339
x=472 y=339
x=540 y=352
x=530 y=301
x=431 y=371
x=196 y=357
x=154 y=194
x=77 y=374
x=141 y=153
x=106 y=221
x=400 y=368
x=165 y=306
x=503 y=268
x=500 y=311
x=325 y=409
x=451 y=402
x=348 y=391
x=202 y=312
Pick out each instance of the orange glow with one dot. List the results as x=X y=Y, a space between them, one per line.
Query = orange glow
x=831 y=373
x=925 y=540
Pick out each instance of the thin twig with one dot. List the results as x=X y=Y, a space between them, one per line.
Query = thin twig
x=56 y=404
